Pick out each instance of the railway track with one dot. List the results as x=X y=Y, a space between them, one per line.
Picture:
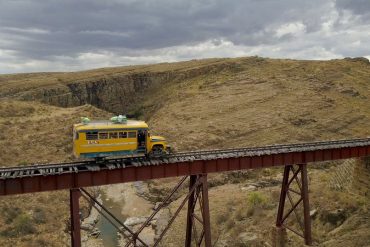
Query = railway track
x=115 y=163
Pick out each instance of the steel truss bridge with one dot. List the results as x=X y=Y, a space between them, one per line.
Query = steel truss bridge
x=195 y=165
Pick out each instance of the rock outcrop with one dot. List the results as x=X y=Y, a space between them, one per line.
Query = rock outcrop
x=115 y=93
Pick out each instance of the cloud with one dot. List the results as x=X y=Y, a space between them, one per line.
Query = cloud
x=358 y=7
x=72 y=35
x=294 y=29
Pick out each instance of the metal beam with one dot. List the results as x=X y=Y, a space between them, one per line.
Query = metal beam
x=205 y=211
x=306 y=205
x=85 y=178
x=74 y=195
x=284 y=189
x=283 y=214
x=191 y=206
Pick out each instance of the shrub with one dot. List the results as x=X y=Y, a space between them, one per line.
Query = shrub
x=22 y=163
x=39 y=216
x=23 y=225
x=256 y=199
x=10 y=213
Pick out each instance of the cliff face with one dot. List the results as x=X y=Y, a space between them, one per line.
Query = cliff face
x=114 y=93
x=117 y=93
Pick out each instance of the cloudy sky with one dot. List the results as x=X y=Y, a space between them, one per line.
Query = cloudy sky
x=69 y=35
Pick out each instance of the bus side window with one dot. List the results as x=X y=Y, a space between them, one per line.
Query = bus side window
x=103 y=135
x=113 y=135
x=132 y=134
x=76 y=136
x=92 y=135
x=122 y=134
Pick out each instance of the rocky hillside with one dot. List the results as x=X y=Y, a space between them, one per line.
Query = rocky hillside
x=113 y=89
x=197 y=104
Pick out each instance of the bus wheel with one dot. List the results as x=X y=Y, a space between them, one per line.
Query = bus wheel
x=157 y=151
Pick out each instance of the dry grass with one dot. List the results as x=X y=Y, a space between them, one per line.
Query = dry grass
x=304 y=101
x=239 y=102
x=36 y=133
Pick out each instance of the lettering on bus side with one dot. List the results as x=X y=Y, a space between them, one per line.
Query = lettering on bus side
x=92 y=142
x=92 y=137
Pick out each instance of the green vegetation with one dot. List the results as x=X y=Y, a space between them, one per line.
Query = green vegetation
x=10 y=213
x=256 y=199
x=39 y=216
x=23 y=163
x=21 y=225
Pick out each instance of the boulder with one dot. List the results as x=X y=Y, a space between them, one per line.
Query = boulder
x=313 y=213
x=249 y=188
x=87 y=227
x=133 y=221
x=95 y=233
x=163 y=218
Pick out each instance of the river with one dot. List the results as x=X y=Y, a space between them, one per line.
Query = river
x=108 y=231
x=123 y=202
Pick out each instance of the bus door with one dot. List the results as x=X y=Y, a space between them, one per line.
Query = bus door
x=141 y=140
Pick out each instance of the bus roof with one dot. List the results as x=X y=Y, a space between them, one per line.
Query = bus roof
x=106 y=125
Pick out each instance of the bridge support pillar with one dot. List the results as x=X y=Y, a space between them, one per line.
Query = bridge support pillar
x=200 y=194
x=296 y=195
x=279 y=237
x=74 y=196
x=197 y=195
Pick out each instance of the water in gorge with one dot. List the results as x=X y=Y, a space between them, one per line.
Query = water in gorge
x=108 y=231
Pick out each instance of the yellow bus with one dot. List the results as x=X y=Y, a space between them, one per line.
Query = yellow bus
x=94 y=139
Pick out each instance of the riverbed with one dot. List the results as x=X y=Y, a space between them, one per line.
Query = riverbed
x=123 y=201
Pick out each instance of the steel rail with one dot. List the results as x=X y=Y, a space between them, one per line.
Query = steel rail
x=328 y=144
x=121 y=162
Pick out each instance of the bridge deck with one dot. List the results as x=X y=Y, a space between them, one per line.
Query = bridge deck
x=46 y=177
